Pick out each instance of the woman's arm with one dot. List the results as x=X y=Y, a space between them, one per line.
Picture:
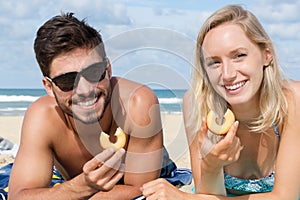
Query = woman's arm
x=207 y=179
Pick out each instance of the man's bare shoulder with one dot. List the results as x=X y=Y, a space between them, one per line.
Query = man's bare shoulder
x=139 y=101
x=42 y=115
x=44 y=105
x=135 y=93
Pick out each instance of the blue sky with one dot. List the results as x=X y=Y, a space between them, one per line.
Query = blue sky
x=147 y=41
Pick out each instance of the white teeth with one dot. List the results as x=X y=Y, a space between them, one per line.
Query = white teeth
x=235 y=86
x=87 y=103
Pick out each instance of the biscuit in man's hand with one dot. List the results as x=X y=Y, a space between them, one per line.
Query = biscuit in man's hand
x=120 y=143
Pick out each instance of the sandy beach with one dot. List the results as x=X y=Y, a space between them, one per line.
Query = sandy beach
x=174 y=138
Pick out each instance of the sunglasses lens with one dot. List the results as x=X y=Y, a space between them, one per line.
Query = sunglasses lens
x=66 y=81
x=95 y=72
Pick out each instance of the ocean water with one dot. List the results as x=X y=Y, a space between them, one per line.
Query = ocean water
x=14 y=102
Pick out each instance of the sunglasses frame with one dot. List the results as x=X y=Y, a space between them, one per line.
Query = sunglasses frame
x=79 y=74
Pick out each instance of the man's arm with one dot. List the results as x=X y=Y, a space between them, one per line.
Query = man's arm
x=144 y=153
x=32 y=170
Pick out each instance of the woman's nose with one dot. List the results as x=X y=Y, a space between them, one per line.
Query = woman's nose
x=228 y=71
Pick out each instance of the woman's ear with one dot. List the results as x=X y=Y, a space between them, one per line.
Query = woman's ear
x=48 y=86
x=268 y=57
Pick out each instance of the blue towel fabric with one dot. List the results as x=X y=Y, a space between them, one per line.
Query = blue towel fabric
x=5 y=174
x=176 y=176
x=4 y=178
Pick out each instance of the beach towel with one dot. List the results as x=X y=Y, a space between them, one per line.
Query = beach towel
x=5 y=174
x=176 y=176
x=5 y=144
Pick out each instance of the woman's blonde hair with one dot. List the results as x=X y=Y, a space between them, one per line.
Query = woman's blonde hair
x=272 y=102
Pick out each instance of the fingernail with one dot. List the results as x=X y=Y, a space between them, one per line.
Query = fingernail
x=236 y=123
x=121 y=150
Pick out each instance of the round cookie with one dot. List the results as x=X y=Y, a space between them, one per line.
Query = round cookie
x=120 y=143
x=220 y=129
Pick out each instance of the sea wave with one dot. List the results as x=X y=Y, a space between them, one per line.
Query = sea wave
x=9 y=109
x=170 y=100
x=27 y=98
x=18 y=98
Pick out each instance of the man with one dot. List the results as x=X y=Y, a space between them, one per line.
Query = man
x=63 y=127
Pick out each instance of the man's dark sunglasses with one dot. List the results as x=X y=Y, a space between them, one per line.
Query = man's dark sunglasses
x=68 y=81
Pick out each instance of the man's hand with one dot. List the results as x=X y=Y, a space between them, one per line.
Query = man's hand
x=104 y=170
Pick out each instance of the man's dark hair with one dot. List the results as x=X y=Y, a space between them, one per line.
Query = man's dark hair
x=62 y=34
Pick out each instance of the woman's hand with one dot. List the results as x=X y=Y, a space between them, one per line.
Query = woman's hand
x=224 y=152
x=160 y=189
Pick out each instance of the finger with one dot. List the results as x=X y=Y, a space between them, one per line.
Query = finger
x=203 y=129
x=104 y=155
x=237 y=155
x=109 y=168
x=113 y=180
x=148 y=191
x=232 y=131
x=233 y=152
x=116 y=159
x=228 y=139
x=206 y=145
x=149 y=188
x=99 y=159
x=150 y=184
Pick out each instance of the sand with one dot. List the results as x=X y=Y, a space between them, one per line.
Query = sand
x=174 y=139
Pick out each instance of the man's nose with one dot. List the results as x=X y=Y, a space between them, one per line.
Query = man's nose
x=84 y=87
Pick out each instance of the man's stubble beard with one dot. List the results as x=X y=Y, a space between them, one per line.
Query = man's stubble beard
x=93 y=114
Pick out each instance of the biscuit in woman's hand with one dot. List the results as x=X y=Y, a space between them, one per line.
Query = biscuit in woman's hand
x=120 y=143
x=224 y=126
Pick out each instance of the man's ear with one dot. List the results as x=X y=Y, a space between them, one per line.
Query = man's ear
x=109 y=70
x=268 y=57
x=48 y=86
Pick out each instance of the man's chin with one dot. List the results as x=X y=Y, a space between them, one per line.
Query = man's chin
x=87 y=117
x=90 y=119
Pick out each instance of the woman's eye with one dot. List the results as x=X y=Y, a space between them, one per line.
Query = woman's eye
x=212 y=63
x=241 y=55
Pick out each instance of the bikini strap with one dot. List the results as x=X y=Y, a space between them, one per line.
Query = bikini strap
x=275 y=127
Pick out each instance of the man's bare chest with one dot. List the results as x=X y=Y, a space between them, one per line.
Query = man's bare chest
x=71 y=152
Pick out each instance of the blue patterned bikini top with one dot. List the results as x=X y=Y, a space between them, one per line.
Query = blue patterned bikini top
x=264 y=184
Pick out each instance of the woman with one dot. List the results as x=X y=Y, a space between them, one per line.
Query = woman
x=237 y=68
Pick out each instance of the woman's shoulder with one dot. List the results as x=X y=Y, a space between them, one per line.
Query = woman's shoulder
x=293 y=96
x=293 y=92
